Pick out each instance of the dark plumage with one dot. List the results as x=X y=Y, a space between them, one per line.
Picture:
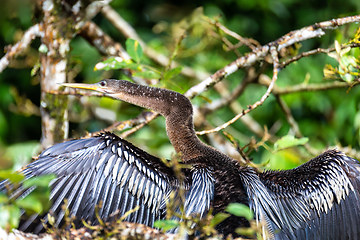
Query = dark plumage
x=317 y=200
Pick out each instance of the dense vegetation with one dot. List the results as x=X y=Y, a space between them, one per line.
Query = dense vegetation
x=190 y=34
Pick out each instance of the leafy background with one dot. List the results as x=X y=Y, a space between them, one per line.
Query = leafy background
x=327 y=118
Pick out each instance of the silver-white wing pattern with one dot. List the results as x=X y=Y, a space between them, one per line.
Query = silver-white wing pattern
x=317 y=200
x=103 y=171
x=110 y=173
x=200 y=193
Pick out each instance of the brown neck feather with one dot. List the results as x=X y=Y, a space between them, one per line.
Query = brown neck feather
x=176 y=109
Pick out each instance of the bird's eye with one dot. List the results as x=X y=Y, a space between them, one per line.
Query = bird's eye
x=102 y=84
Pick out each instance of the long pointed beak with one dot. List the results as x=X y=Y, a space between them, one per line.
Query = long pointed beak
x=82 y=86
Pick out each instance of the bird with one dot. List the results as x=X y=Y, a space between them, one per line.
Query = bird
x=319 y=199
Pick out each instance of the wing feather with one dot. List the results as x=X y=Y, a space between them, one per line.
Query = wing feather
x=317 y=200
x=103 y=169
x=112 y=174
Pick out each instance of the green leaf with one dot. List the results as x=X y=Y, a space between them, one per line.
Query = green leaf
x=218 y=218
x=134 y=49
x=40 y=181
x=133 y=66
x=166 y=224
x=15 y=214
x=3 y=198
x=249 y=232
x=289 y=141
x=240 y=210
x=172 y=72
x=30 y=203
x=9 y=216
x=21 y=153
x=147 y=75
x=4 y=216
x=110 y=64
x=13 y=177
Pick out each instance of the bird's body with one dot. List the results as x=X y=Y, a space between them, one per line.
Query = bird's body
x=318 y=200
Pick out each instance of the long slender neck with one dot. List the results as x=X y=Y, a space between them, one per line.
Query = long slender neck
x=176 y=109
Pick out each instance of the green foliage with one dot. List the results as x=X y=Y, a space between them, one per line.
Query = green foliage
x=166 y=224
x=184 y=34
x=218 y=218
x=240 y=210
x=20 y=154
x=289 y=141
x=348 y=68
x=36 y=202
x=136 y=64
x=13 y=177
x=134 y=49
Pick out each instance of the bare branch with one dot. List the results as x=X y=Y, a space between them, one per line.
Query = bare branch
x=250 y=43
x=227 y=97
x=103 y=42
x=315 y=51
x=274 y=55
x=128 y=31
x=316 y=30
x=260 y=53
x=148 y=118
x=20 y=46
x=58 y=31
x=289 y=117
x=308 y=87
x=241 y=62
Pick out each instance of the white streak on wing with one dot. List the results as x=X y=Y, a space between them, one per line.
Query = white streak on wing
x=113 y=148
x=119 y=151
x=126 y=155
x=124 y=166
x=135 y=188
x=115 y=169
x=159 y=199
x=100 y=162
x=151 y=194
x=155 y=199
x=147 y=191
x=108 y=165
x=144 y=168
x=141 y=186
x=138 y=164
x=132 y=180
x=125 y=176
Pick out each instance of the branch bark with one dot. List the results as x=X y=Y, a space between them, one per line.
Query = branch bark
x=61 y=22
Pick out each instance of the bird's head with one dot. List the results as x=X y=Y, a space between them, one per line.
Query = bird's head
x=107 y=86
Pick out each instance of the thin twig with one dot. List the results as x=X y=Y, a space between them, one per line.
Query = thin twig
x=308 y=87
x=250 y=43
x=260 y=53
x=289 y=117
x=148 y=119
x=293 y=124
x=103 y=42
x=20 y=46
x=128 y=31
x=274 y=56
x=313 y=52
x=107 y=46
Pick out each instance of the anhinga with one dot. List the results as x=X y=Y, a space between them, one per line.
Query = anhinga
x=317 y=200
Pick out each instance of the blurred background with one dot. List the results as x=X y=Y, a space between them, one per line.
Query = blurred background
x=327 y=118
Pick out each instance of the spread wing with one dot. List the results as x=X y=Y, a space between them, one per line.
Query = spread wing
x=318 y=200
x=112 y=174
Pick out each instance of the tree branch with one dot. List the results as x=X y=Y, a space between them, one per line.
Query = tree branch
x=274 y=56
x=128 y=31
x=20 y=46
